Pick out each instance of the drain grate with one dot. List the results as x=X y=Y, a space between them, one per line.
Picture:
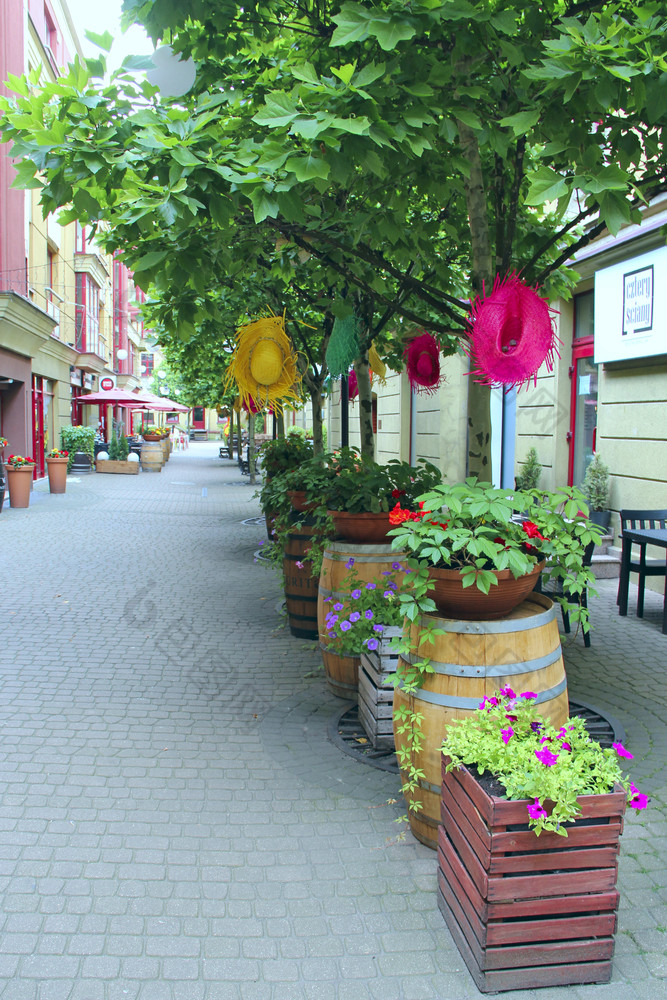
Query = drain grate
x=347 y=733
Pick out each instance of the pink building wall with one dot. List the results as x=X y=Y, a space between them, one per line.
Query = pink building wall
x=12 y=217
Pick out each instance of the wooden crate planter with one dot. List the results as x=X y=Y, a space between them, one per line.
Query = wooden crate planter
x=528 y=911
x=124 y=468
x=376 y=696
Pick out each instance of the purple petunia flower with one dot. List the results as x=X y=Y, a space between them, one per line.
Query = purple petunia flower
x=388 y=593
x=332 y=619
x=354 y=616
x=621 y=751
x=298 y=564
x=350 y=563
x=536 y=726
x=356 y=594
x=378 y=628
x=372 y=643
x=368 y=614
x=536 y=811
x=507 y=734
x=546 y=757
x=345 y=626
x=371 y=586
x=397 y=567
x=338 y=607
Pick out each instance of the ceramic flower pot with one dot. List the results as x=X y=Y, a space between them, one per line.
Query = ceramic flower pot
x=19 y=483
x=368 y=528
x=528 y=911
x=57 y=471
x=453 y=600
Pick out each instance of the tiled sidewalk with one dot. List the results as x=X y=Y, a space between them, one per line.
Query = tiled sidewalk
x=175 y=824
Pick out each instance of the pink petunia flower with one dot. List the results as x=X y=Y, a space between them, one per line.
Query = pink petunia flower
x=621 y=751
x=546 y=757
x=507 y=734
x=536 y=811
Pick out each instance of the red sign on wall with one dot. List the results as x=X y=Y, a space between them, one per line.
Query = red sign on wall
x=107 y=383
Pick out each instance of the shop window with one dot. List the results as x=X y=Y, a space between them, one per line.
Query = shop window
x=584 y=393
x=147 y=364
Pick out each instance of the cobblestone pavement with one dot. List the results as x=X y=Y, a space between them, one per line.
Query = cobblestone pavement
x=175 y=824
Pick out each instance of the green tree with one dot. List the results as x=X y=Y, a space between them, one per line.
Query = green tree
x=408 y=148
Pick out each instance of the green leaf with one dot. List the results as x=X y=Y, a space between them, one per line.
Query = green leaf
x=306 y=72
x=346 y=72
x=149 y=260
x=138 y=63
x=264 y=206
x=184 y=157
x=545 y=185
x=468 y=117
x=18 y=84
x=522 y=122
x=368 y=74
x=390 y=32
x=279 y=110
x=308 y=167
x=352 y=25
x=103 y=42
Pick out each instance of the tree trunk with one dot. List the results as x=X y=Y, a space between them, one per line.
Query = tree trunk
x=365 y=400
x=251 y=448
x=280 y=423
x=238 y=435
x=482 y=267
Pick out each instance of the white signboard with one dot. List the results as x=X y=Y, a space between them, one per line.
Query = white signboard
x=631 y=308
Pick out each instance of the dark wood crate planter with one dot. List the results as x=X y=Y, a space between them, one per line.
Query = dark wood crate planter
x=376 y=696
x=528 y=911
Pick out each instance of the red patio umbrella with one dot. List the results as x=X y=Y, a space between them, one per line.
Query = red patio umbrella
x=110 y=397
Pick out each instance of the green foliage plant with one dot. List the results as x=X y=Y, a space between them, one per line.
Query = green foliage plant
x=362 y=485
x=77 y=438
x=508 y=738
x=596 y=484
x=284 y=453
x=123 y=448
x=114 y=453
x=358 y=618
x=529 y=477
x=478 y=529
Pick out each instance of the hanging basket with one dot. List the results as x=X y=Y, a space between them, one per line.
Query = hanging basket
x=511 y=334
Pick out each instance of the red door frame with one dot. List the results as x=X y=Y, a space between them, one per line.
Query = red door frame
x=199 y=425
x=581 y=348
x=38 y=426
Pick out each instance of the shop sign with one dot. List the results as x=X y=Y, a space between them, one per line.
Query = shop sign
x=631 y=308
x=76 y=377
x=107 y=382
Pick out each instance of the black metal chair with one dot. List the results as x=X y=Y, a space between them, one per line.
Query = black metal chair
x=554 y=588
x=640 y=520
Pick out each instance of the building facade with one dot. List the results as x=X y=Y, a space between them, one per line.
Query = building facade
x=67 y=315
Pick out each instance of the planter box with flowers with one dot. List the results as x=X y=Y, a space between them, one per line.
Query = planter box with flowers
x=528 y=852
x=360 y=621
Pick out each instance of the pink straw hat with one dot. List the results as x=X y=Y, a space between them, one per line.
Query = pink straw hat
x=422 y=363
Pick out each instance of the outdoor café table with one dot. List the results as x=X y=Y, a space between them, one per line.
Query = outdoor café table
x=642 y=536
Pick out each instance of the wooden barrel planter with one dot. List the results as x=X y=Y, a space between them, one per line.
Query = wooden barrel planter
x=342 y=672
x=473 y=659
x=370 y=561
x=300 y=584
x=151 y=456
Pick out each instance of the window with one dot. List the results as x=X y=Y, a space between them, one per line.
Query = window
x=87 y=315
x=80 y=239
x=147 y=364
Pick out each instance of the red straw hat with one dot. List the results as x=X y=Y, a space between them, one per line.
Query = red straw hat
x=422 y=363
x=511 y=334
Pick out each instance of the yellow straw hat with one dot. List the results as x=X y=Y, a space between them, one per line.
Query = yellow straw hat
x=264 y=363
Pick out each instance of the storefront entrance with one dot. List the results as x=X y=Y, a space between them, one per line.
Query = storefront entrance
x=42 y=422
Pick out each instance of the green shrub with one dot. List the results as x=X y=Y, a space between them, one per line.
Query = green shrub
x=529 y=477
x=77 y=438
x=595 y=486
x=113 y=447
x=123 y=449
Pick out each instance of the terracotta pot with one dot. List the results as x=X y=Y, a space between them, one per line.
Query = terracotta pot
x=19 y=483
x=365 y=527
x=151 y=437
x=298 y=500
x=528 y=911
x=57 y=470
x=454 y=600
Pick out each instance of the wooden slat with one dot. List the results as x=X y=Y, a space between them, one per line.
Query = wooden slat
x=468 y=857
x=503 y=841
x=463 y=814
x=549 y=953
x=564 y=929
x=553 y=884
x=593 y=902
x=604 y=857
